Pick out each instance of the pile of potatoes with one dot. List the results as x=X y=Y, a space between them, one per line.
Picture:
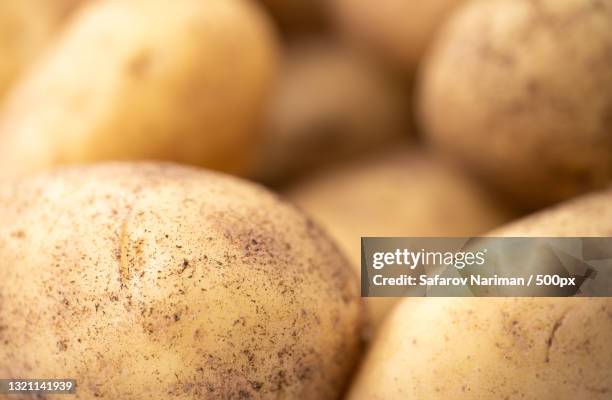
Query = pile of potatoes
x=184 y=185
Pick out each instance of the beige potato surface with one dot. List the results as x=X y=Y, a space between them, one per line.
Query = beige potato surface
x=584 y=216
x=153 y=281
x=397 y=31
x=144 y=79
x=26 y=28
x=328 y=104
x=587 y=215
x=520 y=92
x=405 y=193
x=490 y=349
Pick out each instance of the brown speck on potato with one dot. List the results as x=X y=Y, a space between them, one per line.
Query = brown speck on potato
x=19 y=234
x=62 y=345
x=140 y=64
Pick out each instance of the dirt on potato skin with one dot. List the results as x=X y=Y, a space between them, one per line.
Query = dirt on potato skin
x=503 y=93
x=207 y=286
x=529 y=348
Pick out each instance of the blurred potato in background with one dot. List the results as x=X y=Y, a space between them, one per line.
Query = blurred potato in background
x=396 y=31
x=26 y=27
x=400 y=193
x=328 y=104
x=145 y=79
x=520 y=92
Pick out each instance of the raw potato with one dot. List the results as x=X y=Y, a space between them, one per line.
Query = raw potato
x=588 y=215
x=26 y=26
x=520 y=92
x=403 y=194
x=398 y=31
x=490 y=349
x=125 y=81
x=328 y=104
x=147 y=281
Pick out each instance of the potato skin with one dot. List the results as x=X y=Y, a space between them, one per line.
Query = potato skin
x=153 y=281
x=520 y=92
x=26 y=27
x=328 y=104
x=126 y=82
x=397 y=31
x=404 y=193
x=587 y=215
x=494 y=348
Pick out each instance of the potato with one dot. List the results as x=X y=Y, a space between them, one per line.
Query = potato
x=397 y=31
x=588 y=215
x=328 y=104
x=494 y=348
x=26 y=26
x=399 y=194
x=125 y=81
x=153 y=281
x=520 y=92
